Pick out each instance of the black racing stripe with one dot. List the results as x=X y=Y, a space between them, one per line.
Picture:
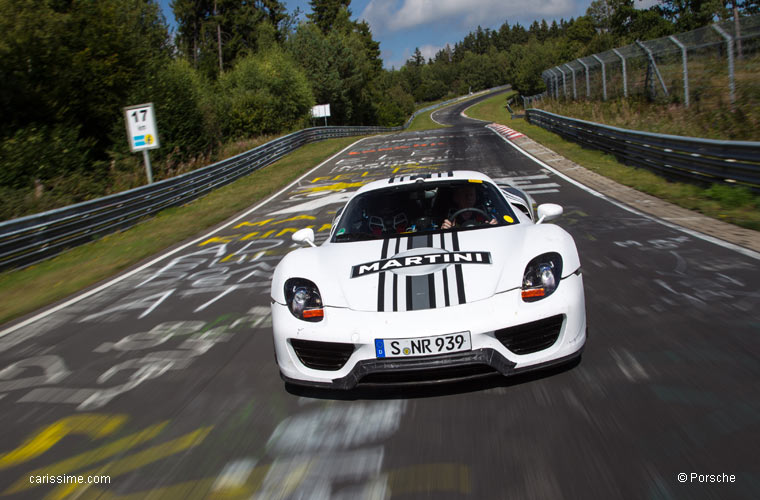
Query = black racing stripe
x=409 y=304
x=395 y=279
x=445 y=277
x=458 y=271
x=451 y=174
x=390 y=181
x=431 y=277
x=381 y=280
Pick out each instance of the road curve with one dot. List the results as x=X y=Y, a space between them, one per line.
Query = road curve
x=165 y=381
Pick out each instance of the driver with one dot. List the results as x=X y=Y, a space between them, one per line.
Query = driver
x=465 y=197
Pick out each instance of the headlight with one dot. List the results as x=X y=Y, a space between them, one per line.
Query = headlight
x=541 y=277
x=304 y=300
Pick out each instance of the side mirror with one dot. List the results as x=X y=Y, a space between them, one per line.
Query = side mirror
x=305 y=235
x=546 y=212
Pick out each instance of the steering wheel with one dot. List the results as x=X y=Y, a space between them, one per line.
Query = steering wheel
x=470 y=222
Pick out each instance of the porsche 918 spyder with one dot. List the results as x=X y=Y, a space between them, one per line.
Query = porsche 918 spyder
x=426 y=278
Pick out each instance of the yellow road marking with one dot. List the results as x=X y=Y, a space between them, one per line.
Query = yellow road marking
x=88 y=424
x=69 y=465
x=135 y=461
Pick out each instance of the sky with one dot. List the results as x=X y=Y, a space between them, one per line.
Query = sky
x=403 y=25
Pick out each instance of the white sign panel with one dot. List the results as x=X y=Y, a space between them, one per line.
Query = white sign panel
x=320 y=111
x=141 y=127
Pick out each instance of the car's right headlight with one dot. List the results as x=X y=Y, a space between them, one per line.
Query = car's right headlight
x=541 y=277
x=303 y=299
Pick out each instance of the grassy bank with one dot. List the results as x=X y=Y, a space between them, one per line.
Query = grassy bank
x=28 y=289
x=735 y=205
x=709 y=121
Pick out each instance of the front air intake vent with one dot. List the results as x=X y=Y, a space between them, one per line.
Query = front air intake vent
x=328 y=356
x=531 y=337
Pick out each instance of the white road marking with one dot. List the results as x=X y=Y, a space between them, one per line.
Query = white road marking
x=234 y=474
x=541 y=191
x=204 y=306
x=630 y=367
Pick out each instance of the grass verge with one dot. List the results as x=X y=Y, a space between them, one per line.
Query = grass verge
x=735 y=205
x=28 y=289
x=424 y=122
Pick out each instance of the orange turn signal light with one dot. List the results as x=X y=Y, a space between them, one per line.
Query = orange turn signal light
x=533 y=292
x=314 y=313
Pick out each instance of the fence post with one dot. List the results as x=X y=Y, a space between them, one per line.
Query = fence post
x=654 y=64
x=730 y=44
x=575 y=93
x=625 y=76
x=564 y=81
x=604 y=76
x=556 y=83
x=685 y=69
x=588 y=85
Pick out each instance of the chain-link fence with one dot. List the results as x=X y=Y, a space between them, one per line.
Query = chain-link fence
x=715 y=65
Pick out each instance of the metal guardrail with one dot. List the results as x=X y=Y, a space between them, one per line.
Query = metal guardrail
x=704 y=161
x=27 y=240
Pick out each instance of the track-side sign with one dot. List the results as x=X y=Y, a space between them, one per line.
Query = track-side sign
x=320 y=111
x=141 y=127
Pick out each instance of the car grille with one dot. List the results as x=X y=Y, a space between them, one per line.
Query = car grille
x=531 y=337
x=329 y=356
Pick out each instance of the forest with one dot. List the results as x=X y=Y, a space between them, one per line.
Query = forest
x=236 y=69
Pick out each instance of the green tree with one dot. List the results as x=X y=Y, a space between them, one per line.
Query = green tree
x=329 y=14
x=68 y=68
x=263 y=93
x=241 y=27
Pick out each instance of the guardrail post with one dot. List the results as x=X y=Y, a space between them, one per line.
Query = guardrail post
x=588 y=84
x=604 y=76
x=685 y=69
x=653 y=64
x=625 y=76
x=730 y=45
x=575 y=92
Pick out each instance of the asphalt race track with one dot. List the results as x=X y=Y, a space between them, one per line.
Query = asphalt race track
x=166 y=380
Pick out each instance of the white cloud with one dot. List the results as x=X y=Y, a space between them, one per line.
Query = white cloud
x=429 y=51
x=645 y=4
x=387 y=15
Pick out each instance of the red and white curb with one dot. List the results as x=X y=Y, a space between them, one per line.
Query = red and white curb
x=505 y=131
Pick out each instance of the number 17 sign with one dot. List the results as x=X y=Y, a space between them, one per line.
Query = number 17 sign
x=141 y=127
x=141 y=132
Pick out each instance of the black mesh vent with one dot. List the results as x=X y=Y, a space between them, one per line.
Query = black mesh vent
x=329 y=356
x=531 y=337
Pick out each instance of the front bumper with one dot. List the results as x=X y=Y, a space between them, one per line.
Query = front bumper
x=483 y=319
x=447 y=368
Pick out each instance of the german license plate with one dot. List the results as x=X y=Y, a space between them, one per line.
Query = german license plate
x=423 y=346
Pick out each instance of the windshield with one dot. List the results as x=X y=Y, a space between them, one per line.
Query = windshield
x=423 y=207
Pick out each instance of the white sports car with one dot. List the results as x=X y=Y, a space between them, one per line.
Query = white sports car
x=424 y=278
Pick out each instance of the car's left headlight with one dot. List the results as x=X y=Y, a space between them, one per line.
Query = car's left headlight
x=303 y=299
x=541 y=276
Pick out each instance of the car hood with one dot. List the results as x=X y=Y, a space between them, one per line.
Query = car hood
x=416 y=272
